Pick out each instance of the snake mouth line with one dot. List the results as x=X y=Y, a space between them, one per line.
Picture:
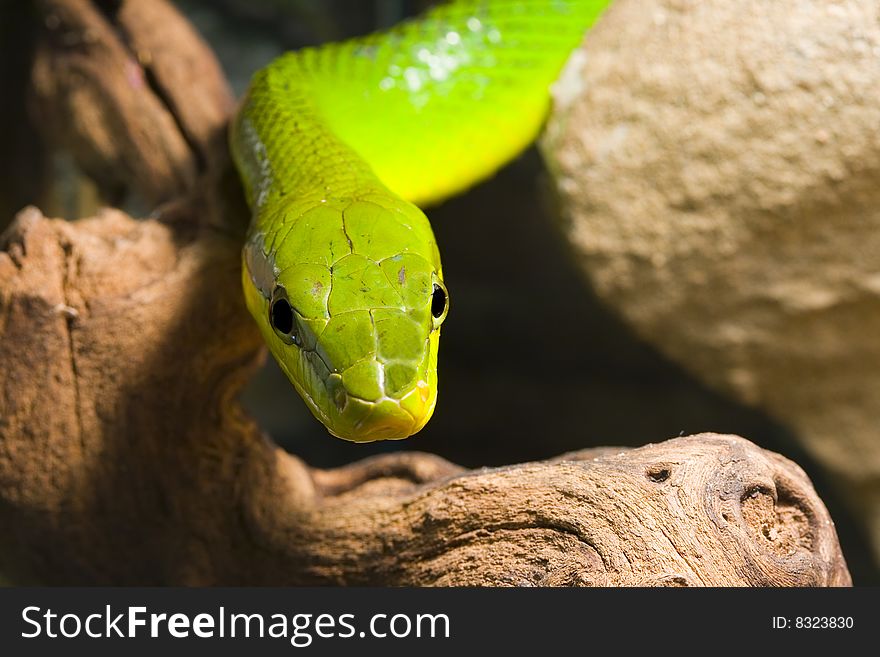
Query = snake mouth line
x=353 y=417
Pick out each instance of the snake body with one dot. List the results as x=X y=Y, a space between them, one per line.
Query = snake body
x=335 y=146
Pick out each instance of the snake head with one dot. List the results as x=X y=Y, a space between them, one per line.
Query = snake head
x=350 y=301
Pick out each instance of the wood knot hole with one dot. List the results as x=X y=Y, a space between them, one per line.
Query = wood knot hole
x=658 y=474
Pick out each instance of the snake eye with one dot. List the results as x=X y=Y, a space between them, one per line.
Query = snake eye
x=281 y=317
x=439 y=302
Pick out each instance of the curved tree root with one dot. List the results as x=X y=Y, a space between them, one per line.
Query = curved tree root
x=125 y=458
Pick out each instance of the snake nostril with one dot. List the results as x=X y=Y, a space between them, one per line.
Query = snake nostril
x=424 y=391
x=340 y=397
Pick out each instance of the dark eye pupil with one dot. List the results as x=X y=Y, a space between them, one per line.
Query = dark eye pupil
x=282 y=316
x=438 y=302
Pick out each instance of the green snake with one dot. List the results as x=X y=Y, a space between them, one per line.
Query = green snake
x=336 y=146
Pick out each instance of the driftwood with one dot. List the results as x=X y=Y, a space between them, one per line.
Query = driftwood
x=125 y=457
x=133 y=92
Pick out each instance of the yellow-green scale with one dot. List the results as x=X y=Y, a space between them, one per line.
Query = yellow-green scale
x=335 y=143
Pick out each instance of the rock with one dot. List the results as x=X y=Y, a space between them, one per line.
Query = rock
x=719 y=187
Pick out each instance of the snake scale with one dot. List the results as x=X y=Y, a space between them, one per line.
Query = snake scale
x=337 y=147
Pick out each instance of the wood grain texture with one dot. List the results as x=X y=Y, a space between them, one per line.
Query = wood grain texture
x=133 y=93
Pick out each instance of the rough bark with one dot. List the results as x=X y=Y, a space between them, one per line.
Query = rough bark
x=133 y=92
x=125 y=457
x=721 y=179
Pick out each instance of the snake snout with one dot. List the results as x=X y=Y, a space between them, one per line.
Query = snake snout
x=386 y=418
